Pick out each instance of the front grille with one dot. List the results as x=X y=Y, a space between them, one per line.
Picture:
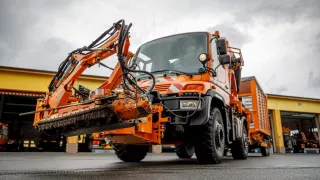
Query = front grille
x=159 y=87
x=163 y=87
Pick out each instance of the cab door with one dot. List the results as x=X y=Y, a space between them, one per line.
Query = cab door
x=222 y=70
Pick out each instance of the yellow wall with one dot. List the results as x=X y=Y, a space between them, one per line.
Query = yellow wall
x=294 y=104
x=38 y=81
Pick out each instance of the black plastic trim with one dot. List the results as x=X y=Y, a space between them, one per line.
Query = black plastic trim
x=214 y=94
x=202 y=117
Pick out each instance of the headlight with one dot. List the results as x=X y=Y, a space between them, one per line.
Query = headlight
x=190 y=104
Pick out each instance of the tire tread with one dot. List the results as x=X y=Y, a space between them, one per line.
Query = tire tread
x=237 y=150
x=204 y=141
x=130 y=153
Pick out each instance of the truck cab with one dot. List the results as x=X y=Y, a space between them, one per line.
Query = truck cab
x=195 y=83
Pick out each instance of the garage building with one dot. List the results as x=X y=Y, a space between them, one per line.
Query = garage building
x=19 y=91
x=295 y=123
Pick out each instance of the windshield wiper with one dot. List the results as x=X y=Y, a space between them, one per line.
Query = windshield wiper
x=168 y=70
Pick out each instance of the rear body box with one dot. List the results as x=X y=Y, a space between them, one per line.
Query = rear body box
x=254 y=99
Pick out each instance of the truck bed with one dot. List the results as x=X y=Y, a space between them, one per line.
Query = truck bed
x=255 y=99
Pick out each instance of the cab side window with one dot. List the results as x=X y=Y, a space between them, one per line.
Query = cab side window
x=214 y=53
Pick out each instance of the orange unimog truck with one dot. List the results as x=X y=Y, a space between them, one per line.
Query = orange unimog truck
x=180 y=89
x=255 y=100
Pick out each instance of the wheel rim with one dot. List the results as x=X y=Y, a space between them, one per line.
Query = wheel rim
x=219 y=136
x=245 y=138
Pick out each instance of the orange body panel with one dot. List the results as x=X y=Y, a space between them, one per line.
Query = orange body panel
x=179 y=84
x=256 y=101
x=286 y=130
x=126 y=108
x=147 y=131
x=165 y=85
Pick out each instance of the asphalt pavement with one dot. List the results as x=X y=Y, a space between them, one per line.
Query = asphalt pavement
x=33 y=166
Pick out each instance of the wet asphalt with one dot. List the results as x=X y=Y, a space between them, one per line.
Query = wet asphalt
x=33 y=166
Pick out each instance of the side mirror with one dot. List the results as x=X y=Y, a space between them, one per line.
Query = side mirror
x=222 y=46
x=224 y=59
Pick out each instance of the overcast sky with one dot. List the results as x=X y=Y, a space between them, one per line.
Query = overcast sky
x=280 y=40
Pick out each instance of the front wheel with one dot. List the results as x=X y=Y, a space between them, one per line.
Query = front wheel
x=185 y=151
x=209 y=141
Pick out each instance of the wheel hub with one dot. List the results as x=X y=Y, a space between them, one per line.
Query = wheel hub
x=219 y=136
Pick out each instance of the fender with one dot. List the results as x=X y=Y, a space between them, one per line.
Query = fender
x=202 y=117
x=214 y=94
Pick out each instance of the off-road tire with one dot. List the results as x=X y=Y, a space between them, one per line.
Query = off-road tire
x=209 y=141
x=265 y=151
x=130 y=153
x=90 y=145
x=240 y=148
x=184 y=151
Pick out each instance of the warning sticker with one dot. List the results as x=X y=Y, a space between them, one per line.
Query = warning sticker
x=251 y=124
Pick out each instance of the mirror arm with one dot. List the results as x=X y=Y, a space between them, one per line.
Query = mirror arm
x=213 y=71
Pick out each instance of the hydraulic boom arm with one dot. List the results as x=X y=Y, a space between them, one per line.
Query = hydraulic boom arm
x=77 y=62
x=104 y=109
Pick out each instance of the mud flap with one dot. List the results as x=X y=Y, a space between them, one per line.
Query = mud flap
x=202 y=117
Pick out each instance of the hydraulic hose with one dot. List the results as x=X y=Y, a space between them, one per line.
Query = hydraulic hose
x=123 y=34
x=94 y=43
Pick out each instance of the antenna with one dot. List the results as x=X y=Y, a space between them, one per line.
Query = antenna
x=175 y=31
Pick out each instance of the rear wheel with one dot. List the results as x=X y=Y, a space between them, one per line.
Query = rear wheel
x=130 y=153
x=225 y=153
x=185 y=151
x=265 y=151
x=89 y=144
x=240 y=147
x=209 y=139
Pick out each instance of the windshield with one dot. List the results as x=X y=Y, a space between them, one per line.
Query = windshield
x=178 y=53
